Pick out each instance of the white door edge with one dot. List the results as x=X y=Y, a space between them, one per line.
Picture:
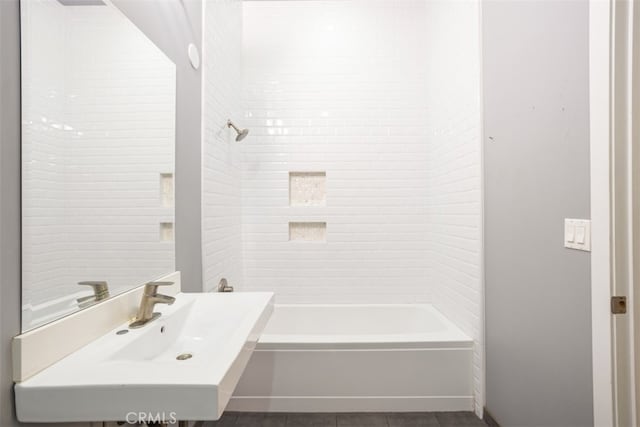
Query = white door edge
x=599 y=93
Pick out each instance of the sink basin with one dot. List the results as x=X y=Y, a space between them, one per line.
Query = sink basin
x=184 y=365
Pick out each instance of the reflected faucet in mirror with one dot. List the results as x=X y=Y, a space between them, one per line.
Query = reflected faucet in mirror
x=100 y=292
x=150 y=297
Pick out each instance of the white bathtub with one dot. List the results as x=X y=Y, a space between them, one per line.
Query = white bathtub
x=356 y=357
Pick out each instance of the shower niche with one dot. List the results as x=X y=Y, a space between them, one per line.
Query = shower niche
x=307 y=188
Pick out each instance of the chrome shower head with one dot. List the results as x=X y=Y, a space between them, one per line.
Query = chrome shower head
x=242 y=133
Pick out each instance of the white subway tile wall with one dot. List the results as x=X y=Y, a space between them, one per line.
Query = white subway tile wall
x=222 y=244
x=383 y=96
x=99 y=129
x=337 y=87
x=454 y=199
x=44 y=246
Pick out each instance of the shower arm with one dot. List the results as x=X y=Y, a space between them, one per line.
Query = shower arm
x=231 y=125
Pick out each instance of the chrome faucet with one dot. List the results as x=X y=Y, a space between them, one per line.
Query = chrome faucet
x=150 y=297
x=100 y=292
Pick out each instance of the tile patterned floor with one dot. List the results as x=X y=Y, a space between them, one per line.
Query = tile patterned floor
x=413 y=419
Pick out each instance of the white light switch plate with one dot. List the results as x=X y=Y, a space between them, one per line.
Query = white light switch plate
x=577 y=234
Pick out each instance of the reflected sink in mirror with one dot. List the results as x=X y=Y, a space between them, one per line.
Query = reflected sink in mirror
x=187 y=362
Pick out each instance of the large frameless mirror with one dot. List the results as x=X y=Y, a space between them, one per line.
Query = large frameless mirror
x=98 y=142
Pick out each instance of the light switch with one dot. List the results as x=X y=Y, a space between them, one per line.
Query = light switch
x=577 y=234
x=569 y=233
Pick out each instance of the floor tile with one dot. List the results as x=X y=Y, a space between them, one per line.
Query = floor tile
x=400 y=419
x=459 y=419
x=261 y=420
x=274 y=420
x=412 y=419
x=249 y=419
x=362 y=420
x=227 y=420
x=311 y=420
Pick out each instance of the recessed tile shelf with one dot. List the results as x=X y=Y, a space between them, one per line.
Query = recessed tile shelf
x=166 y=190
x=307 y=188
x=308 y=231
x=166 y=232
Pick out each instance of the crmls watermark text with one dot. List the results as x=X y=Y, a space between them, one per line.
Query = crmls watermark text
x=149 y=417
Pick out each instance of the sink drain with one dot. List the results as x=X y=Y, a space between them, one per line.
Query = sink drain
x=184 y=356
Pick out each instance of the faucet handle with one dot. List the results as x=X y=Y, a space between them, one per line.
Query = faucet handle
x=223 y=286
x=100 y=288
x=151 y=288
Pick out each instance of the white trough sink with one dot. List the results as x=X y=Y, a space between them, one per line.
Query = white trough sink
x=138 y=371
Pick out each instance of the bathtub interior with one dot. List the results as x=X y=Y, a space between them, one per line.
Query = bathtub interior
x=348 y=325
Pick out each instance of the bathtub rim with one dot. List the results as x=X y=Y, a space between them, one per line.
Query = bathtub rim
x=451 y=338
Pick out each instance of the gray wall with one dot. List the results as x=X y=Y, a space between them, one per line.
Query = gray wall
x=9 y=198
x=536 y=148
x=172 y=25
